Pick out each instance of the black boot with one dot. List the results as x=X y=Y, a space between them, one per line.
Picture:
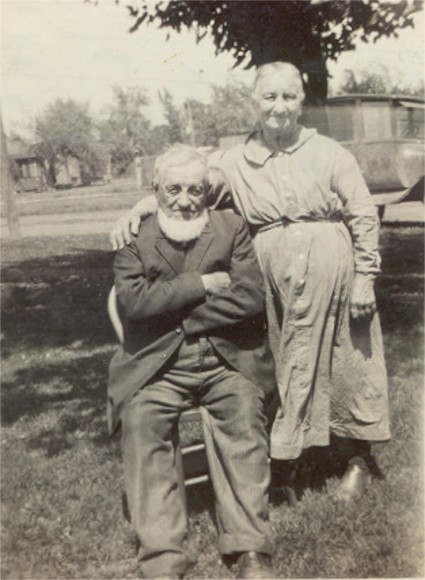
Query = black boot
x=284 y=477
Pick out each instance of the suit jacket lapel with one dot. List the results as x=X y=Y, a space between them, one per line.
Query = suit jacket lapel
x=197 y=252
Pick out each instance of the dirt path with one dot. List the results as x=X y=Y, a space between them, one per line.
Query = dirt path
x=99 y=222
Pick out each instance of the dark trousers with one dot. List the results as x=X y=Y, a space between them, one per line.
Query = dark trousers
x=236 y=441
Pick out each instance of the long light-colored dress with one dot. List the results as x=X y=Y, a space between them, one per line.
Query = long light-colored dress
x=314 y=224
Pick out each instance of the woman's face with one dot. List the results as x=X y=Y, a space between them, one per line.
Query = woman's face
x=279 y=96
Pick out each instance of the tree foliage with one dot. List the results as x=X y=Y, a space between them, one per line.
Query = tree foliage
x=230 y=110
x=125 y=126
x=65 y=129
x=376 y=80
x=304 y=32
x=173 y=116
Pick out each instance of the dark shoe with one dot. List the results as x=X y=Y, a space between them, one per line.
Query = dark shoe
x=255 y=565
x=355 y=480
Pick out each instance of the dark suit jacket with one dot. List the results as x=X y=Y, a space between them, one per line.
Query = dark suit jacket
x=161 y=298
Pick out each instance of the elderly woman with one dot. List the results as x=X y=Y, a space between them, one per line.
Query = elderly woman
x=315 y=230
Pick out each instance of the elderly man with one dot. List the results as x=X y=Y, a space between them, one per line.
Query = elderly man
x=191 y=297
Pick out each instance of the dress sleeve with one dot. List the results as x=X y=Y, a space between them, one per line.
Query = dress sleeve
x=219 y=193
x=359 y=212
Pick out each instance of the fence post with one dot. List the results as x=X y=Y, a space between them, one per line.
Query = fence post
x=138 y=153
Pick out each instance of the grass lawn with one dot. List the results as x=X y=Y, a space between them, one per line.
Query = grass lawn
x=119 y=194
x=62 y=514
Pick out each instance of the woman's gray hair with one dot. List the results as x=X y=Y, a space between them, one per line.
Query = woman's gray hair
x=177 y=155
x=276 y=67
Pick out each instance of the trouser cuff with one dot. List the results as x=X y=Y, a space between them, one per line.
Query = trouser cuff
x=231 y=544
x=167 y=563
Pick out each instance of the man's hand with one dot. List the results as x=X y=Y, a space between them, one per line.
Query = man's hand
x=216 y=282
x=123 y=228
x=362 y=298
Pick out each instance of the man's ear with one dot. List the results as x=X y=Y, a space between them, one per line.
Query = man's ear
x=155 y=183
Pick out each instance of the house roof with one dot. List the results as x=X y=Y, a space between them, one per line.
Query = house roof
x=18 y=149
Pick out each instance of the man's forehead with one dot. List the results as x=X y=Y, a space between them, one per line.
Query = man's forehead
x=190 y=172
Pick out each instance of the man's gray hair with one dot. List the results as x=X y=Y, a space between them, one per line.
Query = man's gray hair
x=276 y=67
x=177 y=155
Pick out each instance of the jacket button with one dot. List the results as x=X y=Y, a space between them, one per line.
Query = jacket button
x=178 y=330
x=163 y=356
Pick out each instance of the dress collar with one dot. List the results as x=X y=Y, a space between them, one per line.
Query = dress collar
x=256 y=151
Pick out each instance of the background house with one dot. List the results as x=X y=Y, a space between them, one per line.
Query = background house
x=26 y=166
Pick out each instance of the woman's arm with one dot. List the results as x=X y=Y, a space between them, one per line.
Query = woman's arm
x=219 y=191
x=361 y=218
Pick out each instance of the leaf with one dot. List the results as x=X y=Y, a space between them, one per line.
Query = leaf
x=138 y=22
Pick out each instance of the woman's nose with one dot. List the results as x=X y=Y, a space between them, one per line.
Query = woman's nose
x=279 y=106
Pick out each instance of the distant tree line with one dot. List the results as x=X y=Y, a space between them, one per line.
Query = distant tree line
x=376 y=80
x=107 y=141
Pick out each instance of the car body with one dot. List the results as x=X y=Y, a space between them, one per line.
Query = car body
x=386 y=136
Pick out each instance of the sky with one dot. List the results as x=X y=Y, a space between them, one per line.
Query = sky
x=74 y=49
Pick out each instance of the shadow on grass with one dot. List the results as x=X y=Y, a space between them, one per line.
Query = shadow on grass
x=55 y=299
x=400 y=288
x=56 y=339
x=74 y=390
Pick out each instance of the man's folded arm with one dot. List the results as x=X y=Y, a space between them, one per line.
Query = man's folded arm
x=141 y=298
x=242 y=300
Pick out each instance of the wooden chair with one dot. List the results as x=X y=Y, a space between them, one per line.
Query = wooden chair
x=191 y=459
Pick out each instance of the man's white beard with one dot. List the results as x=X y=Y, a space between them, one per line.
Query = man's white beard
x=182 y=230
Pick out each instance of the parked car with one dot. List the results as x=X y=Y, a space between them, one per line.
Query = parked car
x=386 y=136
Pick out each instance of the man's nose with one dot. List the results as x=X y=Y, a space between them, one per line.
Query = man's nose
x=184 y=199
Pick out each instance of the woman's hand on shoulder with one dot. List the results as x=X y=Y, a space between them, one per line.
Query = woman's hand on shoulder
x=123 y=229
x=129 y=223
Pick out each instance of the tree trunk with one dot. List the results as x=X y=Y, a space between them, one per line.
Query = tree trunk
x=51 y=172
x=8 y=190
x=315 y=76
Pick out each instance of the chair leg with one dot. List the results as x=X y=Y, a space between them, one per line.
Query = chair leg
x=179 y=467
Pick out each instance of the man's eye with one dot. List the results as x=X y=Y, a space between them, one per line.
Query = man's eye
x=172 y=190
x=269 y=97
x=196 y=190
